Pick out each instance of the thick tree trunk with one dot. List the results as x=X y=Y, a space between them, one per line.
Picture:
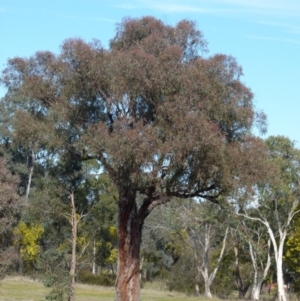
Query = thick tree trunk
x=207 y=291
x=127 y=287
x=256 y=288
x=278 y=250
x=280 y=281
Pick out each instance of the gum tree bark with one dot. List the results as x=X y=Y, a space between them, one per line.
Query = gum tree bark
x=278 y=250
x=129 y=243
x=130 y=223
x=261 y=269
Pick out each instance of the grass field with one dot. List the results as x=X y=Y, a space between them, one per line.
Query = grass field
x=25 y=289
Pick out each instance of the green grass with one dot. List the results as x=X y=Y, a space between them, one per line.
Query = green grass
x=22 y=288
x=17 y=288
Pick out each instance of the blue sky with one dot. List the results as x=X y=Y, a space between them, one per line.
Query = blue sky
x=263 y=35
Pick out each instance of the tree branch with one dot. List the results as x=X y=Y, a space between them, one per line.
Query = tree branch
x=112 y=173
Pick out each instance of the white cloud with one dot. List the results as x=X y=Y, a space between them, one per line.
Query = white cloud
x=174 y=7
x=261 y=7
x=289 y=28
x=261 y=4
x=85 y=18
x=264 y=38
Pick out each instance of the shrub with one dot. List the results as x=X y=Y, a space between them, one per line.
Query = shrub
x=87 y=277
x=182 y=276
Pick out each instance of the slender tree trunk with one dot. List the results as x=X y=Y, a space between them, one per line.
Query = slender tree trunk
x=278 y=250
x=259 y=277
x=127 y=286
x=197 y=279
x=30 y=165
x=280 y=280
x=94 y=258
x=141 y=268
x=215 y=270
x=199 y=268
x=73 y=255
x=242 y=287
x=204 y=271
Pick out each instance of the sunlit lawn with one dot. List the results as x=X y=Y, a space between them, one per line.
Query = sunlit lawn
x=26 y=289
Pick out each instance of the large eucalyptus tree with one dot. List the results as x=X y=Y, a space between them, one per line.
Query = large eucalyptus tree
x=162 y=119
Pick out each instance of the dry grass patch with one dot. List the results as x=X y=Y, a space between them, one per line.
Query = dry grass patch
x=19 y=288
x=22 y=288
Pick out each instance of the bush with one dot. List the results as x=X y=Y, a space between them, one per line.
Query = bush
x=87 y=277
x=59 y=282
x=182 y=276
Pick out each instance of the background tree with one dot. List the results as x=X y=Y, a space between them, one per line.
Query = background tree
x=69 y=176
x=291 y=255
x=164 y=243
x=291 y=258
x=100 y=223
x=260 y=252
x=207 y=230
x=241 y=262
x=277 y=201
x=10 y=211
x=162 y=120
